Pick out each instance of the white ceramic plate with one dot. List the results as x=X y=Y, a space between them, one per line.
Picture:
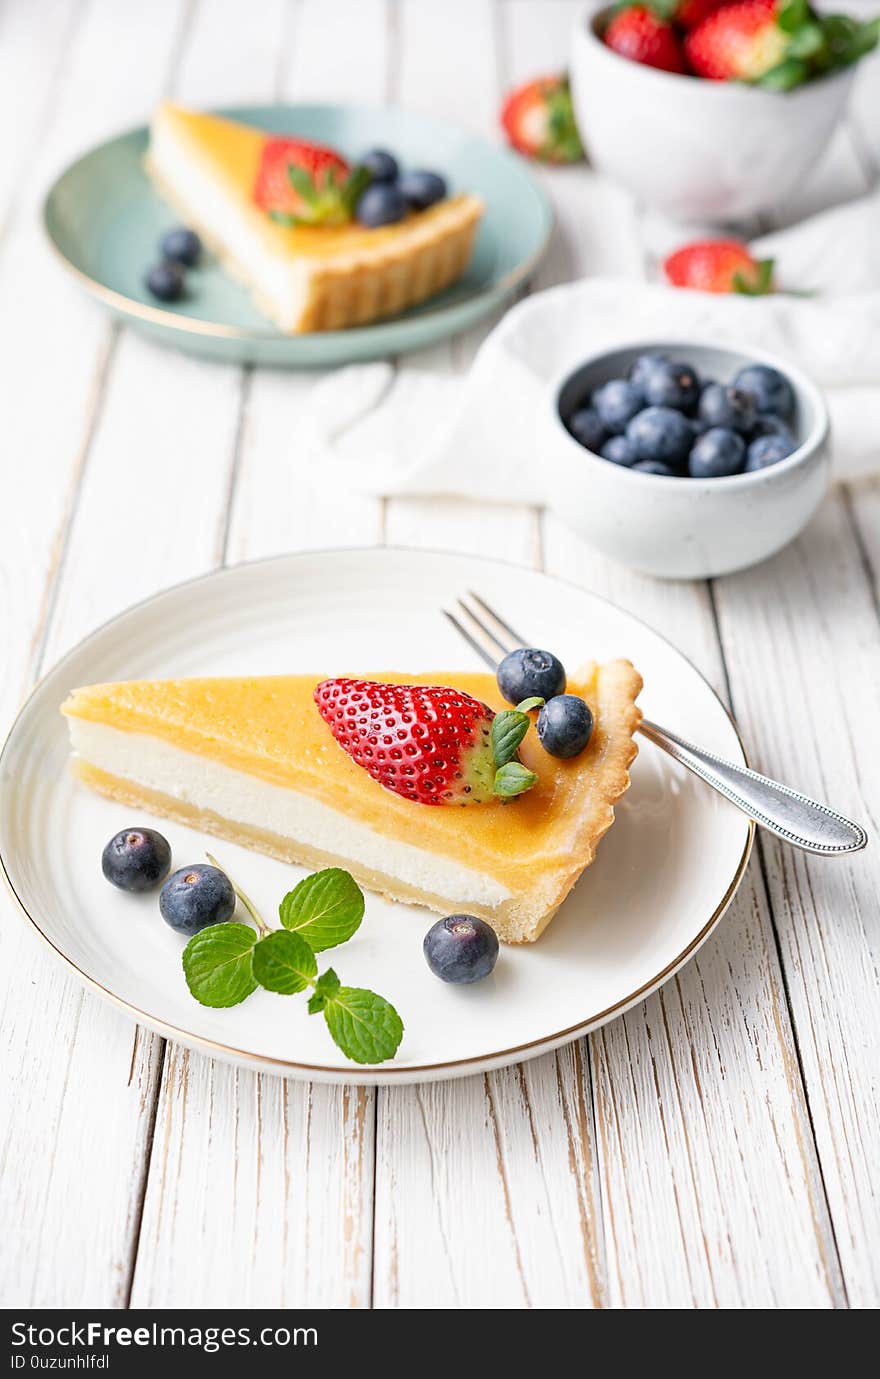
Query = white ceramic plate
x=662 y=879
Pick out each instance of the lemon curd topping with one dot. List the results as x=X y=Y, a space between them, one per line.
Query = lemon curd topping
x=269 y=727
x=231 y=152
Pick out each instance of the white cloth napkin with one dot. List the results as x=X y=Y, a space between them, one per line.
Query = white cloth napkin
x=381 y=431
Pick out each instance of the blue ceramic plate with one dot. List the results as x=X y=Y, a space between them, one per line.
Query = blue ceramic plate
x=105 y=220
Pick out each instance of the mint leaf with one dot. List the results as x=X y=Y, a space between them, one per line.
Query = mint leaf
x=356 y=184
x=326 y=988
x=509 y=727
x=326 y=908
x=284 y=962
x=365 y=1026
x=513 y=779
x=217 y=964
x=303 y=184
x=535 y=702
x=283 y=218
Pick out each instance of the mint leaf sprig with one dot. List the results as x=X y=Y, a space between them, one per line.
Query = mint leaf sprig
x=225 y=963
x=509 y=727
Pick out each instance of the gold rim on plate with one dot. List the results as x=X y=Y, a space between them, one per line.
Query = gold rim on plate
x=512 y=1054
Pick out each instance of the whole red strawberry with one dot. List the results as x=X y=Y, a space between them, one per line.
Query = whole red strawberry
x=538 y=120
x=690 y=13
x=302 y=182
x=430 y=744
x=640 y=35
x=719 y=265
x=739 y=42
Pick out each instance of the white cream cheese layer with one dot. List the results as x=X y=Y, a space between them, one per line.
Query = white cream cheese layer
x=281 y=282
x=245 y=799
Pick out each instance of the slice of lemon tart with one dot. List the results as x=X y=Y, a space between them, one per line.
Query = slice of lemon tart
x=279 y=212
x=258 y=761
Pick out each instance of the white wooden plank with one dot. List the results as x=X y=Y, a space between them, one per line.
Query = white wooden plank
x=260 y=1192
x=864 y=501
x=710 y=1183
x=75 y=1127
x=485 y=1195
x=819 y=629
x=292 y=1164
x=228 y=60
x=33 y=47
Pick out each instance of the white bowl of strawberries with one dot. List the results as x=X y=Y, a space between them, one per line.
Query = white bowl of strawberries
x=712 y=109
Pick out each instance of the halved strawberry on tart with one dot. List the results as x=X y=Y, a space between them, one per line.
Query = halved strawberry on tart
x=322 y=244
x=429 y=789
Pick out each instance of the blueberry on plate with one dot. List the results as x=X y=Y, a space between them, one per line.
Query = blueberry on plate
x=671 y=385
x=717 y=453
x=587 y=429
x=768 y=450
x=381 y=204
x=421 y=189
x=616 y=403
x=770 y=390
x=195 y=897
x=618 y=450
x=655 y=467
x=766 y=424
x=527 y=672
x=136 y=859
x=181 y=245
x=166 y=281
x=381 y=165
x=645 y=365
x=660 y=433
x=728 y=407
x=461 y=948
x=565 y=725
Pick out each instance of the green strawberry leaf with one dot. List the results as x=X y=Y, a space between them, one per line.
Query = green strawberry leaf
x=513 y=779
x=758 y=286
x=790 y=72
x=283 y=218
x=326 y=988
x=217 y=964
x=793 y=14
x=302 y=184
x=806 y=42
x=326 y=908
x=365 y=1026
x=284 y=962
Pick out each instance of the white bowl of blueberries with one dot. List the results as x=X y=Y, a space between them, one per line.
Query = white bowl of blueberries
x=688 y=460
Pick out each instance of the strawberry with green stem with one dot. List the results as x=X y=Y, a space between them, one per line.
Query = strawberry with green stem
x=301 y=183
x=777 y=44
x=538 y=120
x=719 y=265
x=429 y=743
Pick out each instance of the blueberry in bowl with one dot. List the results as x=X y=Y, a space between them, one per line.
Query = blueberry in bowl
x=721 y=474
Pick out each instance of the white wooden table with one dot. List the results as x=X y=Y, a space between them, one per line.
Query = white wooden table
x=719 y=1145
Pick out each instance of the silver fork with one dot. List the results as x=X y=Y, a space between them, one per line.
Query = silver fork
x=790 y=815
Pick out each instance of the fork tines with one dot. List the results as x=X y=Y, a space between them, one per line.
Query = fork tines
x=483 y=629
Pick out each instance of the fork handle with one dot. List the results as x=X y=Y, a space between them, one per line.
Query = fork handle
x=791 y=816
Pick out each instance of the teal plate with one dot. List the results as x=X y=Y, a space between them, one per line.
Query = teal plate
x=105 y=220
